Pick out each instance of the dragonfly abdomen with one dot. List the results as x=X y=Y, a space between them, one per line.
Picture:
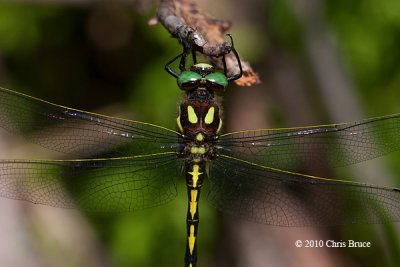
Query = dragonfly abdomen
x=194 y=181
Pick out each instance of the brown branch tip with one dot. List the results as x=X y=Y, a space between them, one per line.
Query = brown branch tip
x=187 y=22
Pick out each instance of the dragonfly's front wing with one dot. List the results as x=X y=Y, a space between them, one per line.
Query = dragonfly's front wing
x=81 y=133
x=277 y=197
x=315 y=146
x=103 y=185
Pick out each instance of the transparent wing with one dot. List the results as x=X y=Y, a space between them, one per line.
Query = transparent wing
x=336 y=144
x=112 y=185
x=80 y=133
x=276 y=197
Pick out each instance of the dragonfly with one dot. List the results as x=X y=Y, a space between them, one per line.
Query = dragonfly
x=121 y=165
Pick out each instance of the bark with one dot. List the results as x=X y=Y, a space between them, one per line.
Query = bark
x=198 y=31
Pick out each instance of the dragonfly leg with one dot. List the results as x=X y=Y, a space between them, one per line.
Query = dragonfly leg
x=237 y=75
x=169 y=69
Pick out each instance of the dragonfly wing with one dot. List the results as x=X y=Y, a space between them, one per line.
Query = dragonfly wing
x=80 y=133
x=336 y=144
x=111 y=185
x=276 y=197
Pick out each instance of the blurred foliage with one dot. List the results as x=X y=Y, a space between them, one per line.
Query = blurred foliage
x=284 y=28
x=71 y=56
x=369 y=34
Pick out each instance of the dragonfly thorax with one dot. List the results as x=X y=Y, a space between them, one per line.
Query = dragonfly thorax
x=200 y=94
x=193 y=152
x=199 y=119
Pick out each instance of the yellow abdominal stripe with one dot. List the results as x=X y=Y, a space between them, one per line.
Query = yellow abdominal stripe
x=193 y=202
x=192 y=239
x=195 y=174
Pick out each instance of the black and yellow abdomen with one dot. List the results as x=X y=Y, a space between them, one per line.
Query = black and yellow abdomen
x=194 y=180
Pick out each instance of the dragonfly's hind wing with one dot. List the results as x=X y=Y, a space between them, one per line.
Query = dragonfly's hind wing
x=276 y=197
x=316 y=146
x=110 y=185
x=80 y=133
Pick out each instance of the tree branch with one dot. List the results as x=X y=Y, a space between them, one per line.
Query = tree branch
x=196 y=30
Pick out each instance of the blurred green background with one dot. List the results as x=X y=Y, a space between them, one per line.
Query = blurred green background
x=319 y=62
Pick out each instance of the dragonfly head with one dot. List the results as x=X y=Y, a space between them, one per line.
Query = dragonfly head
x=202 y=75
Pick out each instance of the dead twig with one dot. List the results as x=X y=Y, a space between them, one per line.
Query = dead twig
x=198 y=31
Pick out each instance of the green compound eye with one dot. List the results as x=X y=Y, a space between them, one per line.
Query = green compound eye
x=217 y=81
x=188 y=80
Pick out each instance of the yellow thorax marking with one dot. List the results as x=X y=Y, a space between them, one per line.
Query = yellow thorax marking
x=201 y=150
x=193 y=202
x=200 y=137
x=192 y=239
x=209 y=116
x=195 y=174
x=219 y=126
x=198 y=150
x=192 y=115
x=178 y=122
